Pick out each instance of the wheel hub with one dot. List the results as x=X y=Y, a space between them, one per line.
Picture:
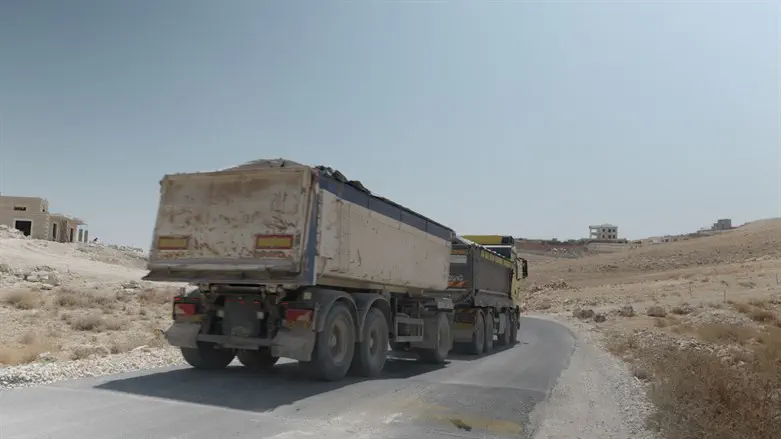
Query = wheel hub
x=337 y=341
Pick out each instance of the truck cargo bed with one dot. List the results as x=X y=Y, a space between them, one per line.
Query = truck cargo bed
x=293 y=225
x=479 y=277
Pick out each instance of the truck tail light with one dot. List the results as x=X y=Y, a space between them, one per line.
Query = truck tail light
x=298 y=318
x=173 y=242
x=274 y=242
x=184 y=309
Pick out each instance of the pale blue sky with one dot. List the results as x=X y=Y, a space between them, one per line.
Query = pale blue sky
x=533 y=119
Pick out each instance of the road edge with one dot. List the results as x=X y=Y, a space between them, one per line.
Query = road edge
x=595 y=396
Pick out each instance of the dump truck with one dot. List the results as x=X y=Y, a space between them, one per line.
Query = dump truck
x=505 y=246
x=481 y=284
x=288 y=260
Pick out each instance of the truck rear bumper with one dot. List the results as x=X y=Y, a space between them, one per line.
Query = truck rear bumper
x=192 y=270
x=289 y=343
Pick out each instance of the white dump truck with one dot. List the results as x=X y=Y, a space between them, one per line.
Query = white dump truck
x=295 y=261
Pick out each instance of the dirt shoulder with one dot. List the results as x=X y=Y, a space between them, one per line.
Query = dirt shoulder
x=596 y=396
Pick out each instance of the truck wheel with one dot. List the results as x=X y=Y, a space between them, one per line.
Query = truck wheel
x=207 y=356
x=370 y=354
x=438 y=355
x=260 y=360
x=489 y=332
x=504 y=338
x=334 y=346
x=514 y=332
x=477 y=344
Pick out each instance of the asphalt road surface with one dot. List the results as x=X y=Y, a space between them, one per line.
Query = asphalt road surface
x=471 y=397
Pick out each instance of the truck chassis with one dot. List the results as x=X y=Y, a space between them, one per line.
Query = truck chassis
x=330 y=332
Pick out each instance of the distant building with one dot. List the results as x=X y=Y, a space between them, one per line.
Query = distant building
x=31 y=216
x=603 y=232
x=722 y=224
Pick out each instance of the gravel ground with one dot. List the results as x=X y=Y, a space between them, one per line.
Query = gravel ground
x=48 y=372
x=596 y=396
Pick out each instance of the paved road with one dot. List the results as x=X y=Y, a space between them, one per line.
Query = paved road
x=484 y=397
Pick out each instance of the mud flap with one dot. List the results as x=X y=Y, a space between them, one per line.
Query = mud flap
x=183 y=334
x=296 y=344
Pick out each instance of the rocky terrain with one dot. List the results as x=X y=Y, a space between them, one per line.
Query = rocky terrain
x=698 y=321
x=63 y=302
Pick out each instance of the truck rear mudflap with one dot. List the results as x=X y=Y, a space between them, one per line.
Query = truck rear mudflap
x=234 y=226
x=289 y=343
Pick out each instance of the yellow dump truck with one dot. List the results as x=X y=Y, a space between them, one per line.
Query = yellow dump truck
x=505 y=246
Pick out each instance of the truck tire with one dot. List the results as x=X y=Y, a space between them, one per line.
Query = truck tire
x=334 y=346
x=514 y=332
x=260 y=360
x=489 y=332
x=370 y=354
x=504 y=338
x=207 y=356
x=438 y=355
x=476 y=346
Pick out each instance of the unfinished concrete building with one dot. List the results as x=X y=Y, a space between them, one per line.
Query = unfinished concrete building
x=31 y=216
x=603 y=232
x=722 y=224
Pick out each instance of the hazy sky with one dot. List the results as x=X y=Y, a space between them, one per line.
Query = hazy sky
x=533 y=119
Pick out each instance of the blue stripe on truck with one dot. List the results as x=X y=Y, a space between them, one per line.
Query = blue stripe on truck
x=310 y=266
x=385 y=207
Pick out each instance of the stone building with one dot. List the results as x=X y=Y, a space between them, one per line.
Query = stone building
x=31 y=216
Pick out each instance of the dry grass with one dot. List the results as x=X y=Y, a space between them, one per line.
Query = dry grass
x=744 y=308
x=700 y=394
x=761 y=315
x=22 y=299
x=156 y=296
x=727 y=334
x=27 y=348
x=93 y=321
x=758 y=310
x=85 y=320
x=727 y=386
x=666 y=321
x=712 y=374
x=86 y=298
x=150 y=338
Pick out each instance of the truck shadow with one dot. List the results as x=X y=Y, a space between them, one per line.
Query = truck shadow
x=239 y=388
x=462 y=354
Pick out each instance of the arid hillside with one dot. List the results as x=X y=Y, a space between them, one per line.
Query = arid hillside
x=69 y=301
x=699 y=321
x=753 y=241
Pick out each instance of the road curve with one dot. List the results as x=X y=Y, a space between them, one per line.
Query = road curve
x=490 y=396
